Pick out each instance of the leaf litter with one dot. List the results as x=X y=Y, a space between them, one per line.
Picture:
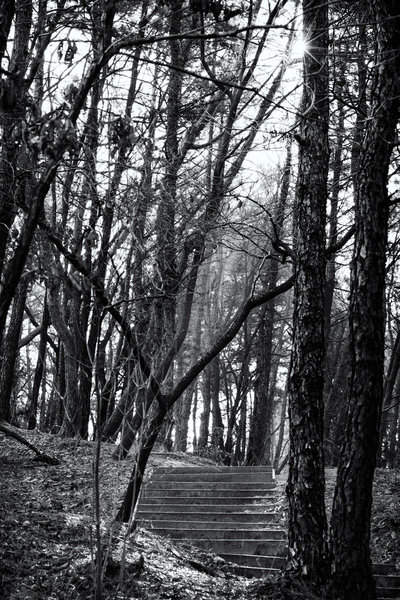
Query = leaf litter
x=47 y=532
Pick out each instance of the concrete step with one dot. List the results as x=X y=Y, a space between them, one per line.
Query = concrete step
x=205 y=533
x=215 y=477
x=257 y=495
x=175 y=505
x=227 y=487
x=388 y=592
x=250 y=565
x=387 y=584
x=253 y=503
x=387 y=581
x=222 y=509
x=203 y=525
x=383 y=568
x=254 y=560
x=227 y=510
x=262 y=571
x=258 y=572
x=209 y=469
x=238 y=546
x=218 y=518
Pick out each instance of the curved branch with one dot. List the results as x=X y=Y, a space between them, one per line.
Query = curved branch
x=227 y=336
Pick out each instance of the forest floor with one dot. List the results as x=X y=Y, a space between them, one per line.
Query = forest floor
x=48 y=533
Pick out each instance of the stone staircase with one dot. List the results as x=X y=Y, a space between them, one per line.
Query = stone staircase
x=232 y=511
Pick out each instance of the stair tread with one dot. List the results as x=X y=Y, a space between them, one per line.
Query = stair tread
x=212 y=469
x=229 y=510
x=238 y=529
x=222 y=508
x=232 y=514
x=214 y=525
x=257 y=498
x=217 y=539
x=260 y=556
x=219 y=485
x=264 y=528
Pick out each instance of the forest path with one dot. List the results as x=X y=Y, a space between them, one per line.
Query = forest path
x=47 y=541
x=237 y=512
x=46 y=531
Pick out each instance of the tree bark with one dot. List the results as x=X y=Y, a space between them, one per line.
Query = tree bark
x=147 y=442
x=12 y=108
x=306 y=483
x=351 y=562
x=9 y=350
x=7 y=9
x=72 y=422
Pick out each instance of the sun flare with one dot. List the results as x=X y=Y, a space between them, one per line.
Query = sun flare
x=299 y=47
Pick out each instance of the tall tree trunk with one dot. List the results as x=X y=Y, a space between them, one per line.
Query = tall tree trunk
x=165 y=306
x=12 y=109
x=183 y=407
x=333 y=217
x=306 y=482
x=9 y=350
x=72 y=421
x=7 y=9
x=335 y=407
x=351 y=562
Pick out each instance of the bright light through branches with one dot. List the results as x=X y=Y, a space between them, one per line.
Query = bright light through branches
x=300 y=46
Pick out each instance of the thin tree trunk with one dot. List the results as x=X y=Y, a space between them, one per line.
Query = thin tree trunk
x=333 y=217
x=147 y=442
x=390 y=381
x=259 y=448
x=33 y=402
x=166 y=402
x=206 y=413
x=182 y=420
x=282 y=423
x=217 y=433
x=240 y=448
x=392 y=447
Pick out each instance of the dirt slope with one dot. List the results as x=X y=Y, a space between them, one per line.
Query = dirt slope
x=47 y=532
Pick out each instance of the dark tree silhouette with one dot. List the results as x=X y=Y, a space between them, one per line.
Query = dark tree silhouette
x=351 y=563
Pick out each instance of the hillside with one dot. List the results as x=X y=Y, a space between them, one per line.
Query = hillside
x=47 y=532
